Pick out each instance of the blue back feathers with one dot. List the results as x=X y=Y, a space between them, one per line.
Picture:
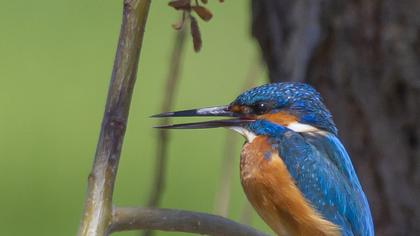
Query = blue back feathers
x=299 y=99
x=322 y=170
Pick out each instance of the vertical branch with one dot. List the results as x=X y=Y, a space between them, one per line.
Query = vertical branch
x=97 y=215
x=221 y=206
x=163 y=136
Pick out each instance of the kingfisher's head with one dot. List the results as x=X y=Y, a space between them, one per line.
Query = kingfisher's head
x=296 y=106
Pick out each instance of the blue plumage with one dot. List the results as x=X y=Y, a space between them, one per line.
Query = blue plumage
x=353 y=205
x=299 y=99
x=293 y=159
x=318 y=163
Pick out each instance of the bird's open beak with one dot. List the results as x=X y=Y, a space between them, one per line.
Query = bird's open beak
x=208 y=111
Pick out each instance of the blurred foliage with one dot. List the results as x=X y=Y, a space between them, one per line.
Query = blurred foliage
x=55 y=68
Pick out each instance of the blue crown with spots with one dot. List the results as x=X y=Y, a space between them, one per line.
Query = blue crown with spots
x=298 y=99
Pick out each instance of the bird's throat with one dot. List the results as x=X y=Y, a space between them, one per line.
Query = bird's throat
x=247 y=134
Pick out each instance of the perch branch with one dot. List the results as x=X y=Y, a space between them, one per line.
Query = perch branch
x=97 y=215
x=177 y=220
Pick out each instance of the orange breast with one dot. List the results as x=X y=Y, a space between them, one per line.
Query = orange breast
x=272 y=192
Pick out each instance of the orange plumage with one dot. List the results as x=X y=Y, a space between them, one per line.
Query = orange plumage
x=271 y=190
x=280 y=118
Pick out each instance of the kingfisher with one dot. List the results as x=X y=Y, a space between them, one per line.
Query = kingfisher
x=294 y=170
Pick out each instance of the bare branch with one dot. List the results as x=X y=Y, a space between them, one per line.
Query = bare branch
x=179 y=221
x=97 y=214
x=99 y=217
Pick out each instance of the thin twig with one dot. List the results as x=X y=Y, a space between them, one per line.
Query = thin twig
x=97 y=215
x=163 y=136
x=222 y=198
x=179 y=221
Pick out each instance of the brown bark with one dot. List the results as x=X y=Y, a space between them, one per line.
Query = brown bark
x=172 y=220
x=364 y=58
x=97 y=214
x=100 y=217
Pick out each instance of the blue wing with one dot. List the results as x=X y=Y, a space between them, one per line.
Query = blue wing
x=324 y=174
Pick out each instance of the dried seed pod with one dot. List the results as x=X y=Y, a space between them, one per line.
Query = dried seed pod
x=180 y=4
x=202 y=12
x=195 y=33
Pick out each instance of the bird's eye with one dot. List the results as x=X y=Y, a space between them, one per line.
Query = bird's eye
x=262 y=107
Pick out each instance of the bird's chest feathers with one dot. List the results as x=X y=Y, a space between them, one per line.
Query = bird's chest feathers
x=257 y=158
x=273 y=193
x=260 y=170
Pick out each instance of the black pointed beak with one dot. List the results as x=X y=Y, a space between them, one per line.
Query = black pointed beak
x=208 y=111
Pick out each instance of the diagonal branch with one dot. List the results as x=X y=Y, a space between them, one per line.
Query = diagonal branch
x=97 y=214
x=179 y=221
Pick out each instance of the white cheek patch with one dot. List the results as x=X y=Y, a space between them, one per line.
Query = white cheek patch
x=295 y=126
x=250 y=136
x=299 y=127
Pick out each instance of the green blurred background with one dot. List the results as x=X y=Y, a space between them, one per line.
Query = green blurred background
x=55 y=65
